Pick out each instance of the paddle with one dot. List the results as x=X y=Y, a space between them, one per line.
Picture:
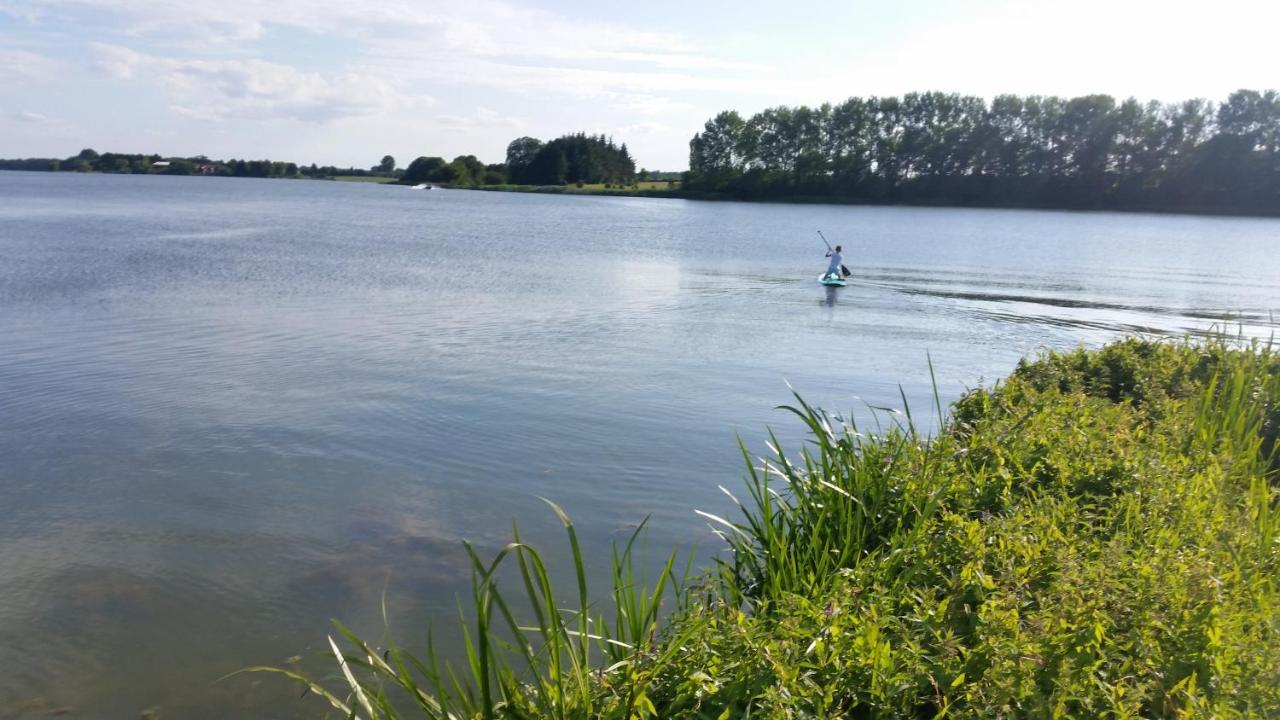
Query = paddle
x=824 y=239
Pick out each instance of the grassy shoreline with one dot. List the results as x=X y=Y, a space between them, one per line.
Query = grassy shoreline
x=645 y=189
x=1096 y=536
x=680 y=193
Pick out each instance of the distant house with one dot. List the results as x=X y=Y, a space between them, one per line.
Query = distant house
x=160 y=164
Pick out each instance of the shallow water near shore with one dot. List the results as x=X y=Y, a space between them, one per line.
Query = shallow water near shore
x=232 y=409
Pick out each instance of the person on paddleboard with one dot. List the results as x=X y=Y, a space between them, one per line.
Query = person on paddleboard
x=837 y=262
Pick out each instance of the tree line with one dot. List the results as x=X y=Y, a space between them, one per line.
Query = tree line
x=89 y=160
x=575 y=158
x=464 y=171
x=941 y=148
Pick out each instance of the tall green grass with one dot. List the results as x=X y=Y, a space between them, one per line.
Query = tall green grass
x=536 y=658
x=1096 y=536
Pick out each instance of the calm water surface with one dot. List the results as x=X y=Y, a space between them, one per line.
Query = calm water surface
x=233 y=409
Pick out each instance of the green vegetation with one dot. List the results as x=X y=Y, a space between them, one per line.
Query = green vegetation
x=375 y=179
x=948 y=149
x=464 y=171
x=1097 y=537
x=569 y=159
x=89 y=160
x=666 y=188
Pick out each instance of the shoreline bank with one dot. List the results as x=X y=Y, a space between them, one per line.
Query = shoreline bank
x=1097 y=535
x=681 y=194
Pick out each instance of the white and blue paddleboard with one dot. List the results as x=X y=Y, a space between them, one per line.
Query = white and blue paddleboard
x=834 y=280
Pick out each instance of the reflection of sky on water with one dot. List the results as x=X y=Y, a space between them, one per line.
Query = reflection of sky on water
x=235 y=409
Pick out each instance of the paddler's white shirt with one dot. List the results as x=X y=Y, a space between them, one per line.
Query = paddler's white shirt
x=837 y=259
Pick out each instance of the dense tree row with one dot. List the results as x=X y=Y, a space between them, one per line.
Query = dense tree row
x=1044 y=151
x=464 y=171
x=579 y=158
x=576 y=158
x=89 y=160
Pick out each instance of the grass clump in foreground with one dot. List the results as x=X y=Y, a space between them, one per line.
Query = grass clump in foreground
x=1097 y=536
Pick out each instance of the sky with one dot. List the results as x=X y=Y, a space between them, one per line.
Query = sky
x=345 y=83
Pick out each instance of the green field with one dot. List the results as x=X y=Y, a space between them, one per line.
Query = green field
x=646 y=185
x=1097 y=536
x=645 y=189
x=364 y=179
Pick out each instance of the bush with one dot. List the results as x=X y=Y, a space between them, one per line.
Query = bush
x=1097 y=536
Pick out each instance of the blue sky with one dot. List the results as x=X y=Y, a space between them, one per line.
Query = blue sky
x=347 y=82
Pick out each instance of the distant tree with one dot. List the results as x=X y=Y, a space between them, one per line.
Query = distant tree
x=521 y=153
x=179 y=166
x=388 y=165
x=549 y=167
x=577 y=158
x=560 y=175
x=467 y=171
x=423 y=169
x=942 y=148
x=446 y=173
x=715 y=155
x=495 y=174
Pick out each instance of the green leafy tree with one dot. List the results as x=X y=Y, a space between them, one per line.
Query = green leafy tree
x=576 y=158
x=467 y=171
x=715 y=154
x=388 y=165
x=424 y=169
x=1087 y=151
x=495 y=174
x=521 y=153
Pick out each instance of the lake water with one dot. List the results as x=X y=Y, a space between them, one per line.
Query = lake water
x=231 y=410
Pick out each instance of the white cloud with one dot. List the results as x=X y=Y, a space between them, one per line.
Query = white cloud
x=25 y=11
x=222 y=89
x=487 y=43
x=31 y=117
x=648 y=104
x=116 y=61
x=17 y=66
x=1153 y=49
x=482 y=120
x=640 y=129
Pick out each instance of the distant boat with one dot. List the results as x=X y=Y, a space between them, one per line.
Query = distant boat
x=422 y=186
